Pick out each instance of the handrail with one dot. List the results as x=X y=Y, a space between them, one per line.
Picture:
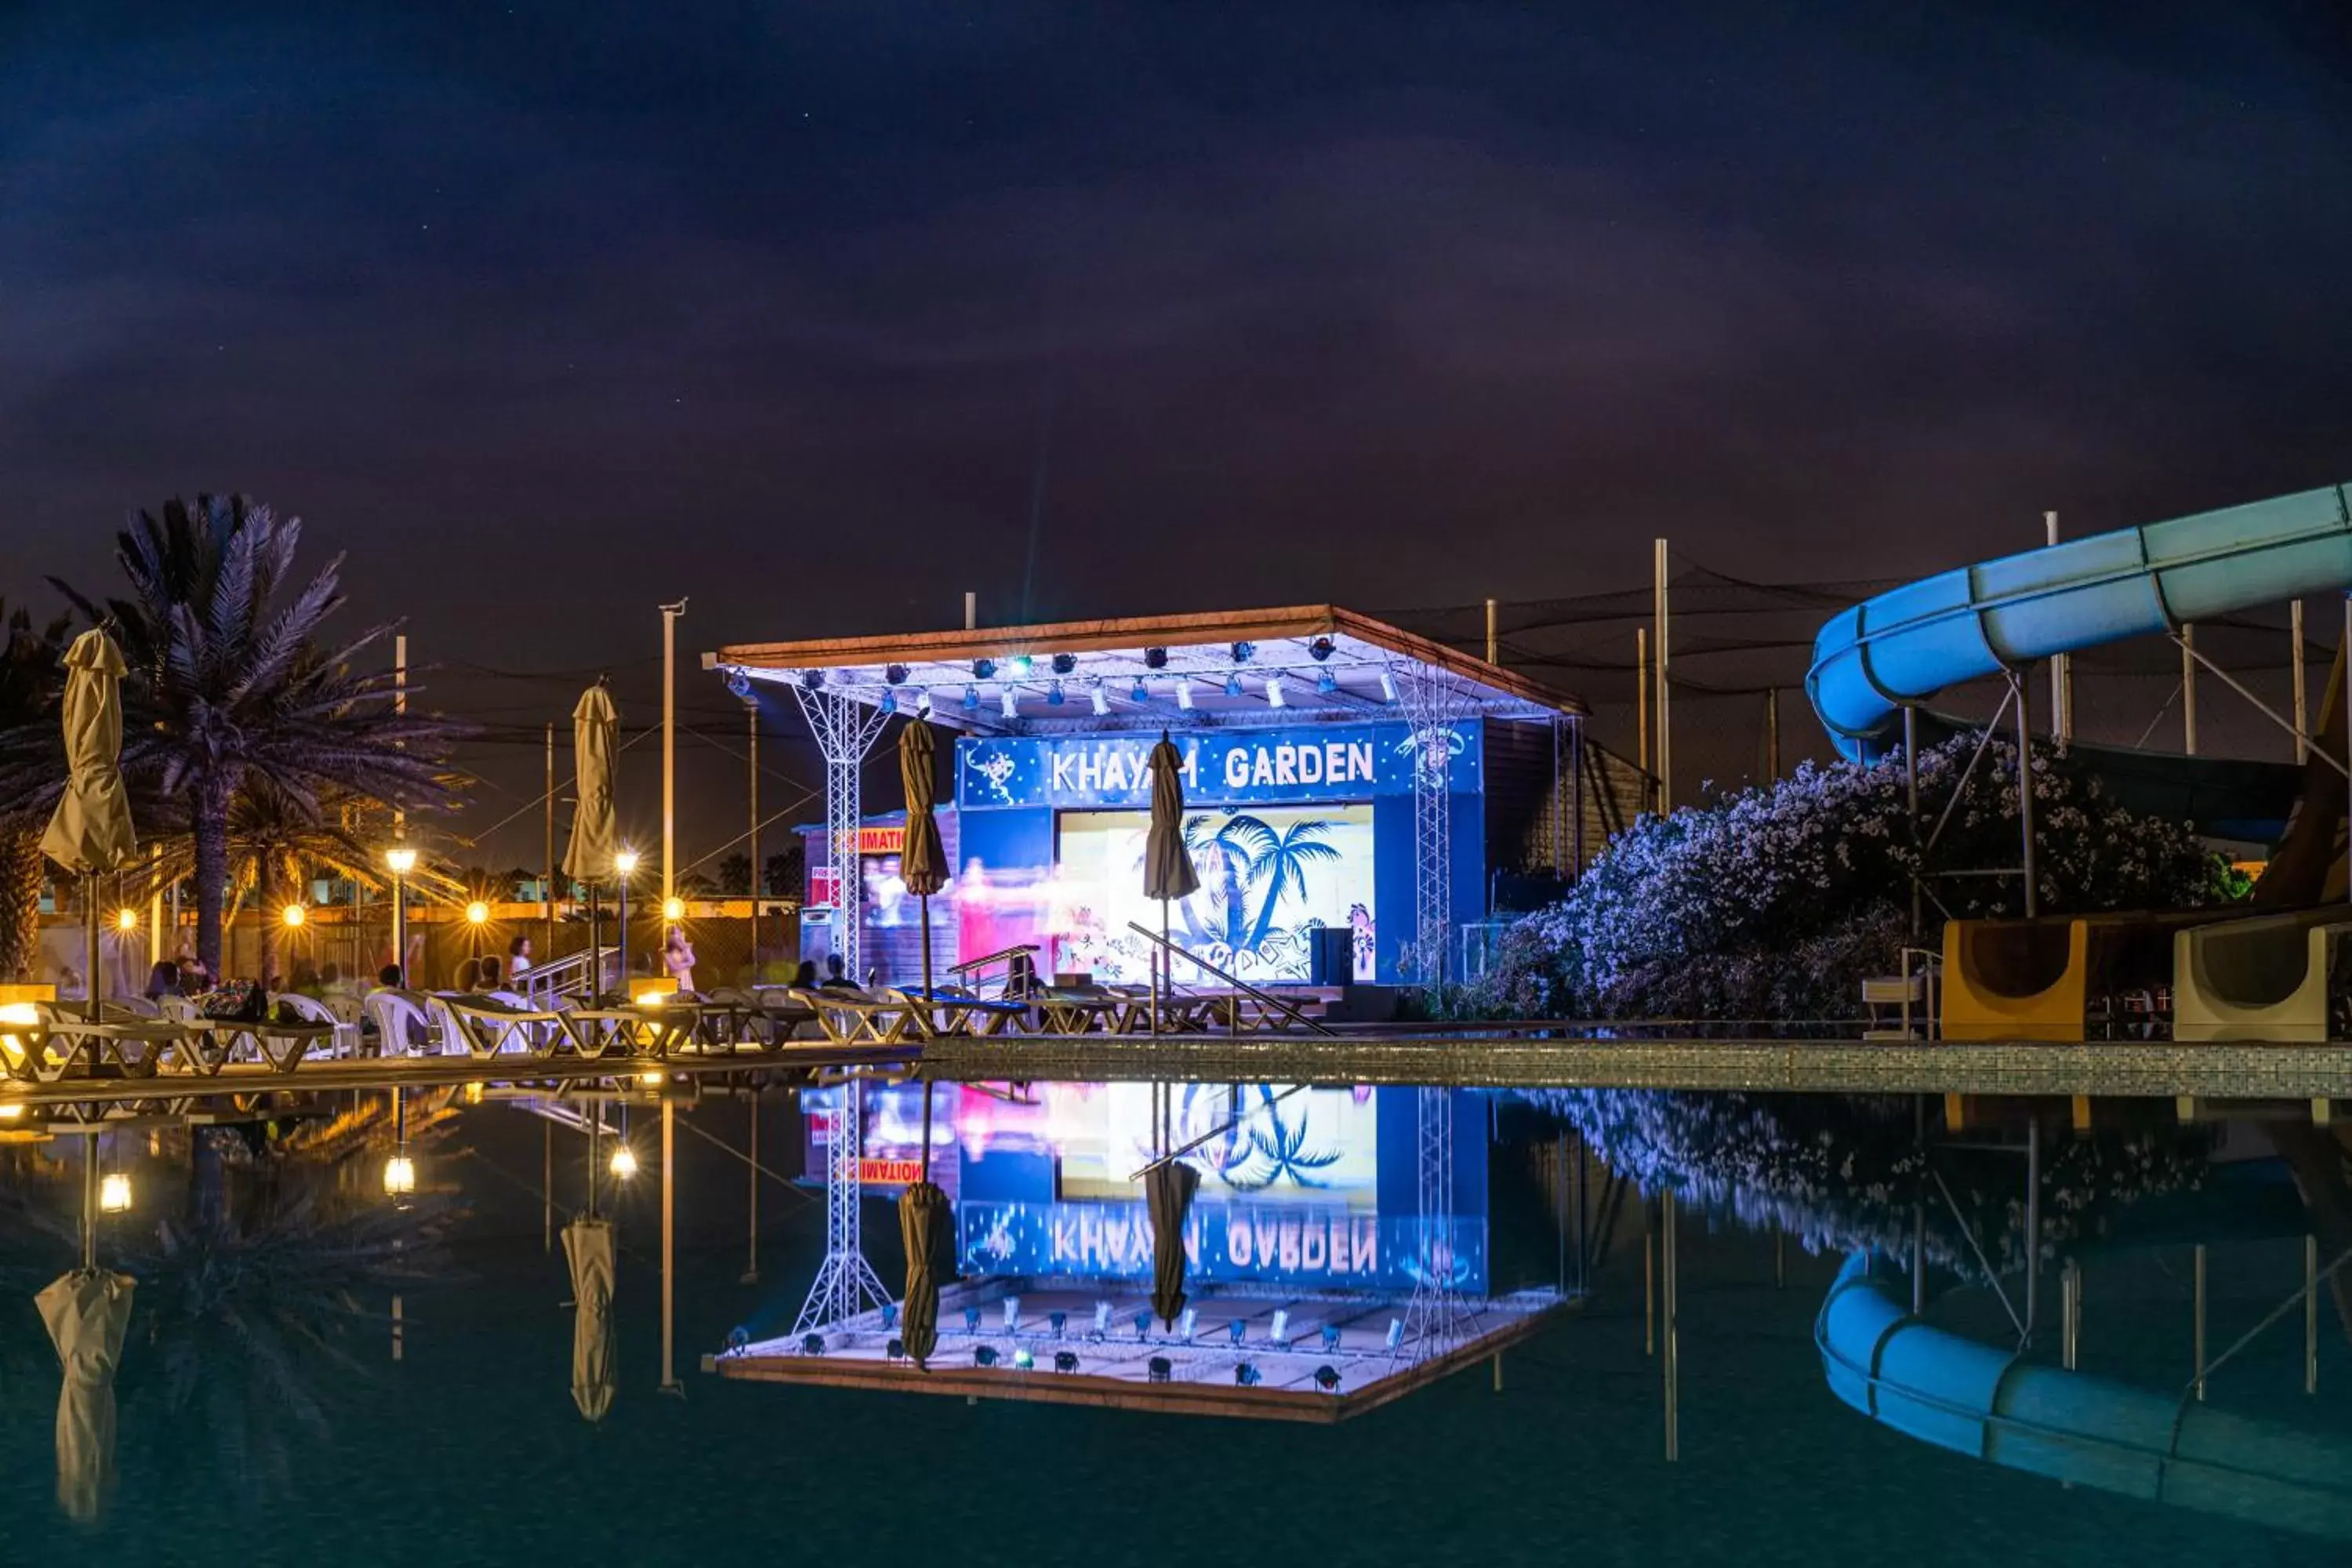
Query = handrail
x=999 y=956
x=1289 y=1009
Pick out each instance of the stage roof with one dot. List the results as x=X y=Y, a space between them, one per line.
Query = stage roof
x=1302 y=664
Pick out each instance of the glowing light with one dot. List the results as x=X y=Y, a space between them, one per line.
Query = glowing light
x=293 y=915
x=673 y=909
x=399 y=1176
x=1141 y=693
x=126 y=920
x=970 y=698
x=1326 y=682
x=1273 y=691
x=114 y=1192
x=624 y=1162
x=1012 y=703
x=1021 y=1359
x=11 y=1112
x=1021 y=665
x=625 y=863
x=890 y=700
x=401 y=859
x=1387 y=686
x=1184 y=695
x=1054 y=694
x=651 y=1077
x=477 y=913
x=1101 y=699
x=1234 y=684
x=923 y=703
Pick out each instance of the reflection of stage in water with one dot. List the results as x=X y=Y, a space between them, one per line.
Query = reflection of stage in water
x=1308 y=1376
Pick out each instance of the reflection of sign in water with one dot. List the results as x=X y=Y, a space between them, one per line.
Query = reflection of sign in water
x=1285 y=1244
x=876 y=1173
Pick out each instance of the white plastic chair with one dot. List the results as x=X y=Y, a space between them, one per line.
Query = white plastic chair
x=402 y=1024
x=344 y=1042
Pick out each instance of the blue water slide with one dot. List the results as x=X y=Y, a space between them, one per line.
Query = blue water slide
x=1906 y=645
x=1993 y=1405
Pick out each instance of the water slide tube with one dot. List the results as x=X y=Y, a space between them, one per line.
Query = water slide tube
x=1906 y=645
x=1991 y=1403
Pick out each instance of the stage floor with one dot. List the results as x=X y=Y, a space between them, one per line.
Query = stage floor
x=1114 y=1364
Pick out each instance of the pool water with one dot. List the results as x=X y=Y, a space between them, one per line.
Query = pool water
x=263 y=1422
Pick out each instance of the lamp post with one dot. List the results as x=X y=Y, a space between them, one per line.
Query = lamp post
x=670 y=614
x=401 y=860
x=625 y=866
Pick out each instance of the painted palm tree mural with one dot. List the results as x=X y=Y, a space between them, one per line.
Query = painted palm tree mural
x=1249 y=868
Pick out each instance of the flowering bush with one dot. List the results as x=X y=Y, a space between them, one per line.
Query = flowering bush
x=1777 y=902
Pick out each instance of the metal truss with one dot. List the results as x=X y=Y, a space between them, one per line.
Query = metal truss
x=1433 y=700
x=845 y=1284
x=845 y=729
x=1437 y=1319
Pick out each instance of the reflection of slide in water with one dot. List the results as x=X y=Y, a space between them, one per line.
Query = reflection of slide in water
x=1991 y=1404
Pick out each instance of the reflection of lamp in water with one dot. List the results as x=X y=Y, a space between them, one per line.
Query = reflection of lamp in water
x=399 y=1176
x=624 y=1162
x=114 y=1192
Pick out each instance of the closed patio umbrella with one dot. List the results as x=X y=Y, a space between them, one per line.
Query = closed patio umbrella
x=588 y=1247
x=89 y=832
x=1168 y=1192
x=595 y=831
x=923 y=1207
x=923 y=861
x=86 y=1312
x=1168 y=871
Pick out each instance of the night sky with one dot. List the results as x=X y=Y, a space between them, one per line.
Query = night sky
x=545 y=314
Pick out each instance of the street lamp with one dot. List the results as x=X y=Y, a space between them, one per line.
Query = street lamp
x=625 y=866
x=114 y=1192
x=624 y=1162
x=400 y=860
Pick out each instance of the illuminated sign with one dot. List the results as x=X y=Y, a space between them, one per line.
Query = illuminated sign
x=876 y=1173
x=1340 y=762
x=881 y=840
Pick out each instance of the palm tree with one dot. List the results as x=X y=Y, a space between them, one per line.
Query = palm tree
x=32 y=673
x=230 y=688
x=1283 y=863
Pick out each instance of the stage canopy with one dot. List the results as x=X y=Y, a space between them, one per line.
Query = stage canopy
x=1224 y=668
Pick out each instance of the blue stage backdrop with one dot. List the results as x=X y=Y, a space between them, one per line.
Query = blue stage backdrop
x=1293 y=831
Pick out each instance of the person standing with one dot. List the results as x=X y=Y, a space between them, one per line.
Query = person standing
x=677 y=958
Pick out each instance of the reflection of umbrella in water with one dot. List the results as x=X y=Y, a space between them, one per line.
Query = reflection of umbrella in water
x=1168 y=1190
x=86 y=1312
x=588 y=1246
x=921 y=1209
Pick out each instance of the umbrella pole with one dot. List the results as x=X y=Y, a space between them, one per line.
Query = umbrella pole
x=929 y=1012
x=926 y=1128
x=90 y=921
x=89 y=1208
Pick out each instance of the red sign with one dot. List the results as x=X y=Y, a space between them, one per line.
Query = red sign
x=890 y=1172
x=824 y=886
x=881 y=840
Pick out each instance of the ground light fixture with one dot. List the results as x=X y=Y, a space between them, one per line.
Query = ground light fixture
x=983 y=1355
x=477 y=913
x=1327 y=1378
x=812 y=1344
x=1158 y=1369
x=1021 y=1359
x=1246 y=1375
x=126 y=920
x=114 y=1192
x=1066 y=1361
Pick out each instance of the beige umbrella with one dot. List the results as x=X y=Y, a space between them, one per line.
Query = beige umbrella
x=86 y=1312
x=90 y=830
x=922 y=1210
x=1168 y=871
x=588 y=1247
x=596 y=830
x=923 y=867
x=923 y=862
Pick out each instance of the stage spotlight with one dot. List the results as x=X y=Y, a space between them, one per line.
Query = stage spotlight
x=889 y=703
x=1021 y=665
x=894 y=675
x=1101 y=699
x=1066 y=1361
x=1330 y=1336
x=895 y=1350
x=1240 y=1330
x=1244 y=652
x=1141 y=693
x=737 y=1337
x=970 y=698
x=1021 y=1359
x=972 y=1320
x=1320 y=650
x=923 y=703
x=889 y=1314
x=1246 y=1375
x=1273 y=691
x=1183 y=696
x=739 y=684
x=1234 y=684
x=1065 y=662
x=1387 y=686
x=1058 y=1321
x=983 y=1355
x=812 y=681
x=812 y=1344
x=1142 y=1324
x=1158 y=1368
x=1327 y=1378
x=1326 y=682
x=1012 y=703
x=1054 y=694
x=1155 y=658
